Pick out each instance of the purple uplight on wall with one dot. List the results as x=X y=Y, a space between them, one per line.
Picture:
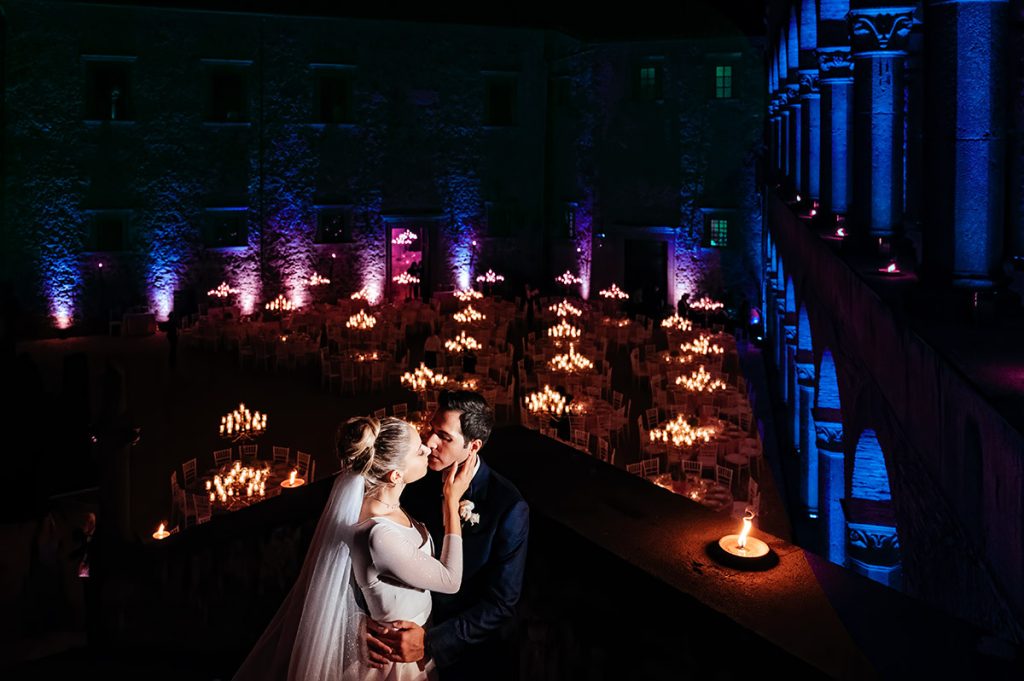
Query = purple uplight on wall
x=584 y=242
x=462 y=199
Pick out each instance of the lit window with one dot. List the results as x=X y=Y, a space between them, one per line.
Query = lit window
x=718 y=233
x=723 y=82
x=649 y=83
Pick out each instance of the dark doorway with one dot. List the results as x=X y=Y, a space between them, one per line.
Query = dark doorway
x=647 y=275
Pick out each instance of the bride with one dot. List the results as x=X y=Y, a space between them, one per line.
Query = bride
x=368 y=558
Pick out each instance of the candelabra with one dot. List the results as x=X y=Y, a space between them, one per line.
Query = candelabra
x=241 y=424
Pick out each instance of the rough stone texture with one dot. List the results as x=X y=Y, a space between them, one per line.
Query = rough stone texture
x=418 y=146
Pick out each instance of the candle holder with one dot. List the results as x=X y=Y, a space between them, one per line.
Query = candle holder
x=161 y=533
x=242 y=424
x=293 y=481
x=743 y=551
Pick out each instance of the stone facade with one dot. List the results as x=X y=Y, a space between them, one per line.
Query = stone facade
x=418 y=142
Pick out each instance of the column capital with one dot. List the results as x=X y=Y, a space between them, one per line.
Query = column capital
x=790 y=335
x=804 y=373
x=873 y=544
x=835 y=64
x=808 y=83
x=828 y=426
x=880 y=29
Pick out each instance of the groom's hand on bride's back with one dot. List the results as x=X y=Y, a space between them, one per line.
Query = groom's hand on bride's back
x=402 y=641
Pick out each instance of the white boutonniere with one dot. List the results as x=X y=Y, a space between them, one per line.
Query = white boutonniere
x=466 y=512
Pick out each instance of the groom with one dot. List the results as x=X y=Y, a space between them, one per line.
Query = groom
x=464 y=637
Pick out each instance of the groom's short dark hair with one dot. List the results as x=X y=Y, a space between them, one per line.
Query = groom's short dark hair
x=476 y=418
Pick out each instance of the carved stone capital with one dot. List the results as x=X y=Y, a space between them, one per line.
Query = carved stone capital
x=805 y=374
x=874 y=545
x=828 y=427
x=790 y=334
x=808 y=83
x=835 y=63
x=882 y=29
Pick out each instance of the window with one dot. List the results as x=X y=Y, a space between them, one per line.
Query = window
x=107 y=232
x=717 y=233
x=333 y=225
x=227 y=94
x=501 y=101
x=108 y=95
x=569 y=220
x=226 y=227
x=333 y=96
x=648 y=83
x=723 y=82
x=503 y=218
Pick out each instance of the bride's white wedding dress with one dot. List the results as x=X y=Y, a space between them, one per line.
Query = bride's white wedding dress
x=318 y=632
x=395 y=570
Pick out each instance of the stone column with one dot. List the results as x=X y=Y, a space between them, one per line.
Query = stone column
x=914 y=106
x=879 y=41
x=873 y=546
x=836 y=81
x=810 y=145
x=828 y=427
x=795 y=112
x=966 y=129
x=789 y=380
x=805 y=433
x=784 y=114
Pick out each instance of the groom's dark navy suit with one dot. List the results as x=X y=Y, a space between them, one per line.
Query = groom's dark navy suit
x=466 y=626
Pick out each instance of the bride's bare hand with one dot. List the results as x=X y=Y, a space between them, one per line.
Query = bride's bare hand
x=457 y=479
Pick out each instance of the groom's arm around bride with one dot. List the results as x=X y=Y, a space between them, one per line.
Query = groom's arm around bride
x=464 y=638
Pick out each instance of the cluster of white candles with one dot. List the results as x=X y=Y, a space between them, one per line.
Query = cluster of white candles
x=701 y=381
x=362 y=321
x=405 y=238
x=241 y=421
x=490 y=277
x=366 y=356
x=361 y=294
x=546 y=401
x=571 y=361
x=239 y=481
x=317 y=280
x=468 y=295
x=676 y=322
x=702 y=346
x=564 y=330
x=567 y=278
x=612 y=321
x=707 y=304
x=280 y=304
x=461 y=343
x=222 y=291
x=615 y=293
x=468 y=315
x=405 y=278
x=565 y=308
x=422 y=377
x=679 y=432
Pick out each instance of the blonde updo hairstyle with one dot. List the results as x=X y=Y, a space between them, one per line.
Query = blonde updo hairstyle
x=373 y=448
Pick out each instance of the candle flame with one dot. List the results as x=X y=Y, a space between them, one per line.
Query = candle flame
x=741 y=542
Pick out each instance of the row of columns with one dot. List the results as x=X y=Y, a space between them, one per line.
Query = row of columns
x=815 y=427
x=837 y=115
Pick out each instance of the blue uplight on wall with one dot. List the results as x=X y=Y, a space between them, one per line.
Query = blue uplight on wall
x=463 y=205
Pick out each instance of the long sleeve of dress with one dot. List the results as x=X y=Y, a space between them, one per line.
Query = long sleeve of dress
x=394 y=555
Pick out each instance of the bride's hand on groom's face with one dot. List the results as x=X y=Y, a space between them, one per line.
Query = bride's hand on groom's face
x=458 y=477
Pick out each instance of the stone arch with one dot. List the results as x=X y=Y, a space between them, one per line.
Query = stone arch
x=873 y=548
x=828 y=426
